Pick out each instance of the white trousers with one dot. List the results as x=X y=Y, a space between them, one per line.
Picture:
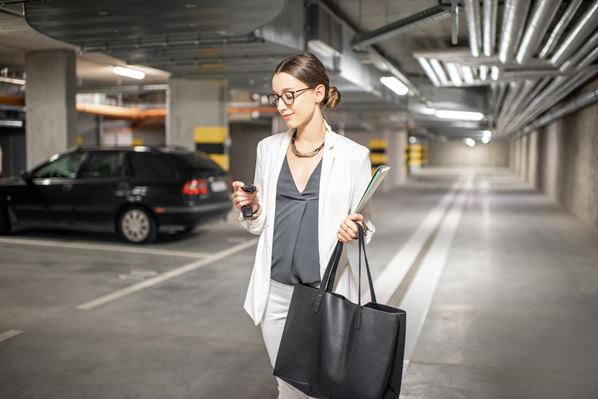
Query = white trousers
x=272 y=326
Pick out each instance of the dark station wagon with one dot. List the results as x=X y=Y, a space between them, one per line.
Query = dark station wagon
x=133 y=191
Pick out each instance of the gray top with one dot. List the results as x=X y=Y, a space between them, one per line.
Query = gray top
x=295 y=252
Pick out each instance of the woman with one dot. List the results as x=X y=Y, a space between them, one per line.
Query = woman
x=309 y=180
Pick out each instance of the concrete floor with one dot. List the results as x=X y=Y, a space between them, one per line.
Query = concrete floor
x=512 y=315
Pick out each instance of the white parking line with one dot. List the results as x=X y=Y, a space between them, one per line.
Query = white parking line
x=9 y=334
x=389 y=280
x=419 y=295
x=165 y=276
x=105 y=247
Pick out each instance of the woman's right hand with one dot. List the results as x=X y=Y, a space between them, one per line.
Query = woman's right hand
x=242 y=198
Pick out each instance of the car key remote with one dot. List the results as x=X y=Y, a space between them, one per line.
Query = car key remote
x=247 y=210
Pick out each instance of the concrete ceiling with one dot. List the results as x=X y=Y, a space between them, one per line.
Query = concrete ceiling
x=206 y=39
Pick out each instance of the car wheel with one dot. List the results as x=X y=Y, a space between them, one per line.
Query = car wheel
x=4 y=221
x=136 y=225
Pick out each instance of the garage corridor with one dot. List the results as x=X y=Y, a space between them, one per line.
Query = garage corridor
x=501 y=295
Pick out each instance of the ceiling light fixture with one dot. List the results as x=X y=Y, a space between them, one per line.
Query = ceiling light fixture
x=395 y=85
x=470 y=142
x=486 y=136
x=14 y=81
x=459 y=115
x=467 y=74
x=128 y=72
x=454 y=73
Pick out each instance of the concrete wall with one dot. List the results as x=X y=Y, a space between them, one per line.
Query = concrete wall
x=568 y=160
x=457 y=154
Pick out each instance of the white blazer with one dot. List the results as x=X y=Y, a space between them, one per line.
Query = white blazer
x=345 y=174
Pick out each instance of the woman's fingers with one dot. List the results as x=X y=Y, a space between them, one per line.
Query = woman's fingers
x=242 y=198
x=350 y=226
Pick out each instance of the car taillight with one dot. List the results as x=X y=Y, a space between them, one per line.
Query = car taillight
x=196 y=187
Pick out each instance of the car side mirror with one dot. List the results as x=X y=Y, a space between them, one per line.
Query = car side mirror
x=25 y=176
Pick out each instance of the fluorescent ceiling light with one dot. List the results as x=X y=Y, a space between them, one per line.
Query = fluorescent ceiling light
x=453 y=72
x=323 y=48
x=128 y=72
x=437 y=67
x=486 y=136
x=11 y=123
x=14 y=81
x=494 y=72
x=483 y=72
x=459 y=115
x=429 y=71
x=470 y=142
x=395 y=85
x=467 y=74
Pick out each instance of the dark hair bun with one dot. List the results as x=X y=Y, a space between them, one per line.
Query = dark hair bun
x=333 y=98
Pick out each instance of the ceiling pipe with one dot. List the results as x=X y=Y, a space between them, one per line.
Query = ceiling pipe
x=574 y=105
x=591 y=45
x=361 y=40
x=557 y=90
x=490 y=11
x=394 y=67
x=159 y=44
x=582 y=101
x=472 y=12
x=560 y=27
x=584 y=28
x=551 y=95
x=541 y=17
x=515 y=12
x=512 y=120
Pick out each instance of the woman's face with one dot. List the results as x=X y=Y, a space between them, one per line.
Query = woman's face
x=306 y=101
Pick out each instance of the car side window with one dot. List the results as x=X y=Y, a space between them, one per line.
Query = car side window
x=65 y=167
x=151 y=167
x=101 y=165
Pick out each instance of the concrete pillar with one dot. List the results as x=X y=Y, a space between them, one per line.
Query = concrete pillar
x=532 y=170
x=197 y=117
x=524 y=157
x=50 y=103
x=397 y=144
x=517 y=157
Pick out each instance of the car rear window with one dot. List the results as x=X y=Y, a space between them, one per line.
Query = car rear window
x=151 y=167
x=100 y=165
x=201 y=163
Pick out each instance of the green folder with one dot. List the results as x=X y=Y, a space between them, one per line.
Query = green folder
x=379 y=175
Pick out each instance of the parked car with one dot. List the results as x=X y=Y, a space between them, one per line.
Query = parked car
x=133 y=191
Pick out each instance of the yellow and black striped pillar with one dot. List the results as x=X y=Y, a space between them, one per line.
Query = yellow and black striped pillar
x=417 y=155
x=378 y=154
x=214 y=141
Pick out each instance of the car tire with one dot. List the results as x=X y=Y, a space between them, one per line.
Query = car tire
x=4 y=221
x=137 y=225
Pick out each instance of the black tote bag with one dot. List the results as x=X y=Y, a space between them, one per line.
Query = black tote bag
x=332 y=348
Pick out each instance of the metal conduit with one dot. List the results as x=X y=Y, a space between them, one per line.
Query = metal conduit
x=542 y=14
x=586 y=26
x=512 y=28
x=557 y=32
x=472 y=11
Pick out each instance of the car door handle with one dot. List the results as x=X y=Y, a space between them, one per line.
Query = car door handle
x=67 y=187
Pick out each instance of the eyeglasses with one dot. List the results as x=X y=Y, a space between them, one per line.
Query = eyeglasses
x=288 y=97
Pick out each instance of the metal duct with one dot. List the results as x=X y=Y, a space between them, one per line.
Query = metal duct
x=575 y=105
x=585 y=27
x=588 y=47
x=490 y=15
x=472 y=11
x=558 y=30
x=557 y=90
x=542 y=14
x=515 y=13
x=362 y=40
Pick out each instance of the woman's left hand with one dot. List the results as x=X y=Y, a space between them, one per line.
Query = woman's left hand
x=348 y=229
